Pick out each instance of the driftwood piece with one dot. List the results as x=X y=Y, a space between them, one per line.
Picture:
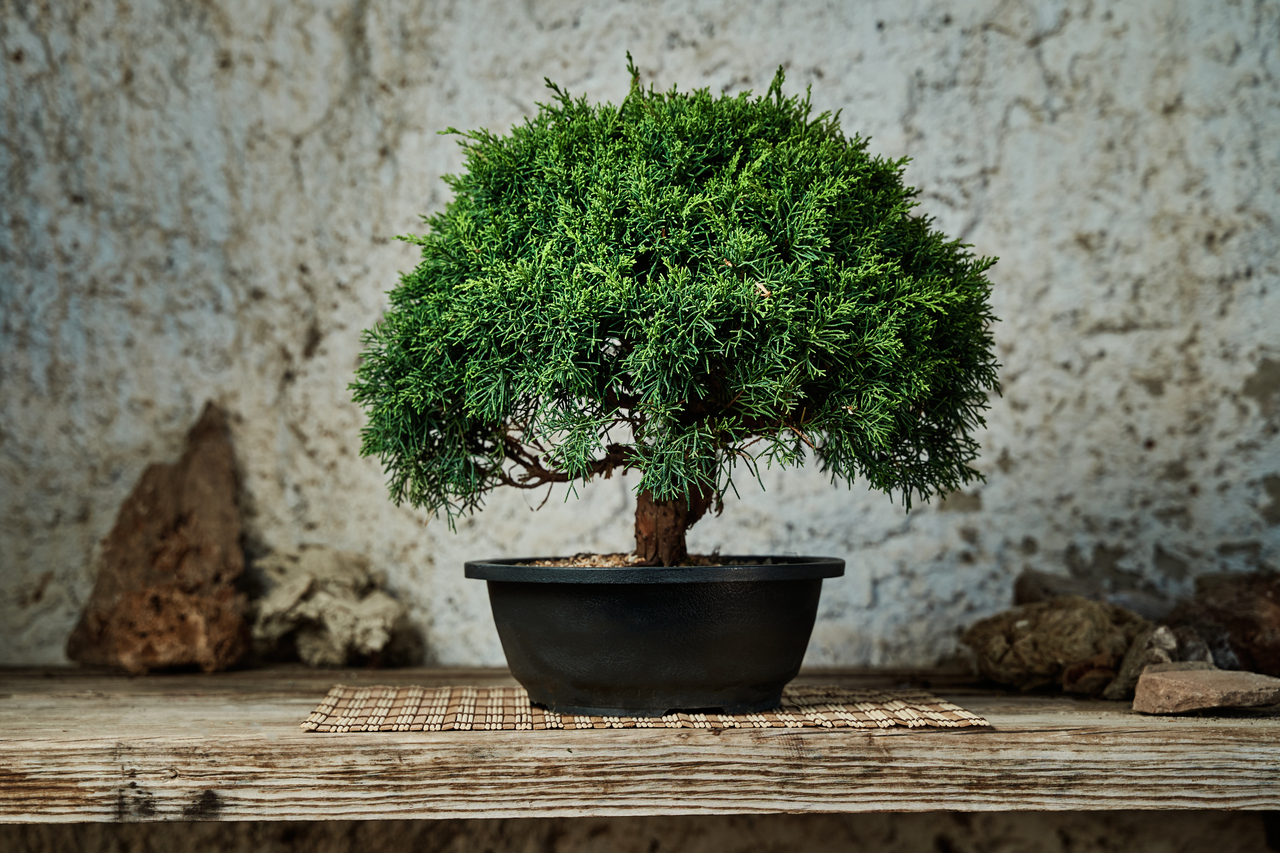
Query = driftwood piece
x=164 y=595
x=331 y=608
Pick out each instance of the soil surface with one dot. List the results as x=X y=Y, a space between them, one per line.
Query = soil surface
x=606 y=561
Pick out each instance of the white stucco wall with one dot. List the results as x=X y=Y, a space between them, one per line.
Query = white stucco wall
x=199 y=201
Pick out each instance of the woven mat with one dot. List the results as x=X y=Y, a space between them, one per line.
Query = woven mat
x=434 y=709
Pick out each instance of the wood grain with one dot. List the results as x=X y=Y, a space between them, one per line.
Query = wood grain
x=77 y=746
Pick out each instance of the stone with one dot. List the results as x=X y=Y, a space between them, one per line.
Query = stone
x=1179 y=666
x=1158 y=649
x=1232 y=623
x=1182 y=690
x=329 y=607
x=1034 y=585
x=1237 y=618
x=1149 y=605
x=1155 y=645
x=1070 y=642
x=165 y=592
x=1205 y=643
x=1090 y=676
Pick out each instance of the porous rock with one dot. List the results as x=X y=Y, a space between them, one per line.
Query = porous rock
x=1236 y=618
x=330 y=607
x=1177 y=691
x=164 y=595
x=1068 y=641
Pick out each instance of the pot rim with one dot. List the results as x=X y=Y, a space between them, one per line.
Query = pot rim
x=781 y=568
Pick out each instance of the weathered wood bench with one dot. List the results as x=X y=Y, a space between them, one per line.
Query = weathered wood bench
x=80 y=746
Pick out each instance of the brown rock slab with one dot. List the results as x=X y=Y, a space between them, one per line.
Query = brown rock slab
x=164 y=595
x=1181 y=690
x=1070 y=641
x=1237 y=618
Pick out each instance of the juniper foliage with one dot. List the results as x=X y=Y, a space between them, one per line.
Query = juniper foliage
x=685 y=285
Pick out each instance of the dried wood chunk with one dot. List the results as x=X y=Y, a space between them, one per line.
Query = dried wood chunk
x=330 y=608
x=164 y=595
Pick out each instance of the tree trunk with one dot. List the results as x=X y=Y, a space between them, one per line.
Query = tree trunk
x=661 y=526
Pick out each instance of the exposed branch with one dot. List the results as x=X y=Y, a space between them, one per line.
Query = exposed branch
x=535 y=474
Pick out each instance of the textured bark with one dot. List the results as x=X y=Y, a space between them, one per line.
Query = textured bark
x=164 y=594
x=661 y=526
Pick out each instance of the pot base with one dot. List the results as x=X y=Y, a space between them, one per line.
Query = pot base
x=769 y=704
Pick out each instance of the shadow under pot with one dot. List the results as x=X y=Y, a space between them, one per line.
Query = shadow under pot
x=642 y=641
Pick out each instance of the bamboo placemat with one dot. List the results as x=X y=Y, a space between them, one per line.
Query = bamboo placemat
x=434 y=709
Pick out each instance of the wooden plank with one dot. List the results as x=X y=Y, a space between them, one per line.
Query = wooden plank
x=77 y=746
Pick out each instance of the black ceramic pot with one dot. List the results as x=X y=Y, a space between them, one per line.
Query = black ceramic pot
x=643 y=641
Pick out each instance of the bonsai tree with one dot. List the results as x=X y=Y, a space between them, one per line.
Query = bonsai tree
x=681 y=285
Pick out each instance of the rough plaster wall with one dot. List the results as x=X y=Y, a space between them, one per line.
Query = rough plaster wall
x=199 y=200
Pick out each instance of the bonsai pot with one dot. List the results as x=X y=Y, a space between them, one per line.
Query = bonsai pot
x=644 y=641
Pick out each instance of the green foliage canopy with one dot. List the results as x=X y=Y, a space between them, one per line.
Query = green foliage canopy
x=681 y=284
